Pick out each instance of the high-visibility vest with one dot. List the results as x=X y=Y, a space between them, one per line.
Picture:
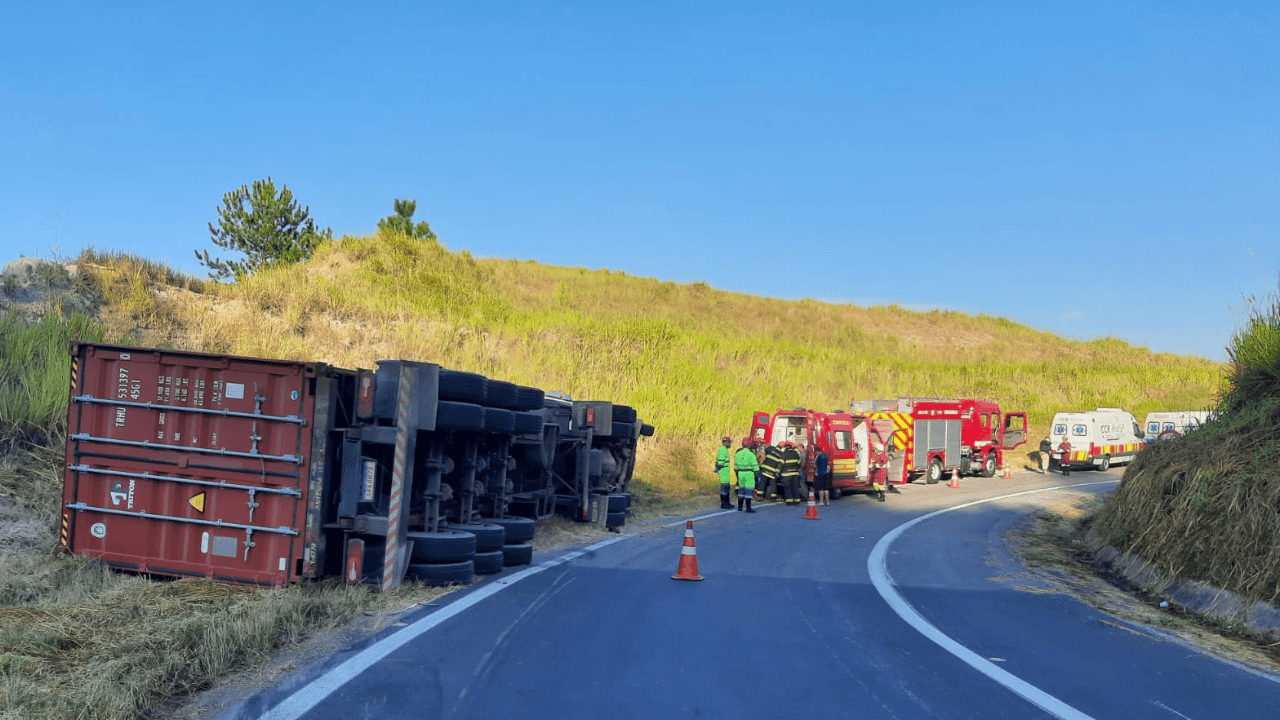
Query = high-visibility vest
x=722 y=464
x=744 y=463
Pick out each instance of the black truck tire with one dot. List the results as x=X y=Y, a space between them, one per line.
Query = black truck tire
x=513 y=555
x=935 y=472
x=1105 y=464
x=616 y=519
x=529 y=398
x=527 y=423
x=501 y=394
x=646 y=430
x=519 y=529
x=441 y=574
x=623 y=429
x=989 y=465
x=446 y=546
x=464 y=386
x=488 y=563
x=489 y=536
x=499 y=421
x=624 y=414
x=459 y=416
x=619 y=502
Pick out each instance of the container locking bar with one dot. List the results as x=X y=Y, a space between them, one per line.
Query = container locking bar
x=86 y=437
x=83 y=507
x=183 y=408
x=185 y=481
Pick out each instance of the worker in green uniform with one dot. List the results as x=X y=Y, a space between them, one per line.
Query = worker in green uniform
x=745 y=467
x=723 y=471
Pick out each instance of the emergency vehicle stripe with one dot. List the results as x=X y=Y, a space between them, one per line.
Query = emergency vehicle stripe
x=903 y=431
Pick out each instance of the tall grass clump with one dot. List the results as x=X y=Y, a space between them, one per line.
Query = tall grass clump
x=35 y=367
x=1207 y=506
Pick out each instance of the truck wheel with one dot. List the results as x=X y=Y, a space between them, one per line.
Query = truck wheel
x=513 y=555
x=519 y=529
x=440 y=574
x=619 y=502
x=529 y=398
x=459 y=416
x=497 y=420
x=500 y=393
x=615 y=519
x=989 y=466
x=624 y=414
x=488 y=563
x=489 y=536
x=527 y=423
x=646 y=429
x=446 y=546
x=622 y=430
x=935 y=472
x=464 y=386
x=1105 y=465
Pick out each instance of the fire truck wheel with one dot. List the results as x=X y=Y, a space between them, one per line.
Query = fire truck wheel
x=935 y=472
x=459 y=416
x=500 y=393
x=440 y=574
x=989 y=466
x=519 y=529
x=1105 y=465
x=527 y=423
x=464 y=386
x=497 y=420
x=624 y=414
x=513 y=555
x=529 y=398
x=488 y=563
x=446 y=546
x=489 y=536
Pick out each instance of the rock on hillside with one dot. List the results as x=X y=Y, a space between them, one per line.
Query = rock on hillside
x=31 y=288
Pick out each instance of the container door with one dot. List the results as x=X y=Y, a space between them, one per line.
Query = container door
x=186 y=464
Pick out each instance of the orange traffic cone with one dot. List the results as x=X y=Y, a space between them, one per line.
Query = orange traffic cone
x=955 y=478
x=1008 y=473
x=811 y=512
x=688 y=569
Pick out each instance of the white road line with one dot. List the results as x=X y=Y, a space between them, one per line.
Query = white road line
x=709 y=515
x=883 y=582
x=311 y=694
x=1162 y=706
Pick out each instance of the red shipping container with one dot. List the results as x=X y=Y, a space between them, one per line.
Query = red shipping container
x=189 y=464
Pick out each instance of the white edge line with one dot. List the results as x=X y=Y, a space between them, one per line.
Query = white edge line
x=883 y=582
x=312 y=693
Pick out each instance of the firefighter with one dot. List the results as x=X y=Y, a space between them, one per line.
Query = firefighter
x=1064 y=455
x=745 y=467
x=879 y=470
x=723 y=471
x=789 y=477
x=770 y=468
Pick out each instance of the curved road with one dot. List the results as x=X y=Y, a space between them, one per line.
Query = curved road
x=874 y=611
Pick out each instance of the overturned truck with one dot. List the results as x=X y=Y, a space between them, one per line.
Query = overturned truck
x=268 y=472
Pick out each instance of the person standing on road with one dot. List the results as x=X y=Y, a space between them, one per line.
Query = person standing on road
x=879 y=470
x=1046 y=449
x=770 y=469
x=1064 y=459
x=745 y=466
x=723 y=471
x=822 y=477
x=790 y=475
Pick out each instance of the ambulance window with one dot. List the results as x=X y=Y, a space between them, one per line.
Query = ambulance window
x=844 y=440
x=1079 y=430
x=1060 y=429
x=1153 y=427
x=1168 y=426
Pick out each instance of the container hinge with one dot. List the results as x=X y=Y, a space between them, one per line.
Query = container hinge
x=255 y=437
x=253 y=504
x=257 y=400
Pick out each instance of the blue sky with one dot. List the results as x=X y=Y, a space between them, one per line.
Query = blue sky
x=1085 y=168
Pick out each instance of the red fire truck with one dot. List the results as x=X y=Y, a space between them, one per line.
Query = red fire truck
x=846 y=438
x=935 y=436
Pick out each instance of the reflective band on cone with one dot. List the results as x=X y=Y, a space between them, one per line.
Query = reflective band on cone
x=688 y=569
x=811 y=512
x=955 y=478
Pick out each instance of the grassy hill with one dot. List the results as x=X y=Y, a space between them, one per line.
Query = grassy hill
x=693 y=360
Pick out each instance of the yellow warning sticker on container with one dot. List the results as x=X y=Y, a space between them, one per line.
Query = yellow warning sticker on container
x=197 y=502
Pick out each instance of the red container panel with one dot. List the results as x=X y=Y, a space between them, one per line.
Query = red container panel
x=188 y=464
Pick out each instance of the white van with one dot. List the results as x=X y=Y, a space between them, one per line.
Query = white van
x=1172 y=424
x=1098 y=437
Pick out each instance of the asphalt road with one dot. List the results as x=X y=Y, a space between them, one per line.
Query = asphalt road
x=895 y=610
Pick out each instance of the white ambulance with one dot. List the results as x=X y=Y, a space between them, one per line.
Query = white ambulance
x=1172 y=424
x=1098 y=438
